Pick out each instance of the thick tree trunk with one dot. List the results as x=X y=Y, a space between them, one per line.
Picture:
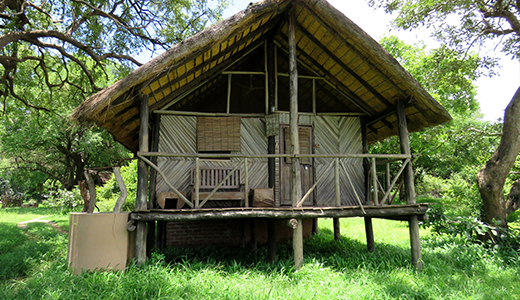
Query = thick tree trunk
x=491 y=178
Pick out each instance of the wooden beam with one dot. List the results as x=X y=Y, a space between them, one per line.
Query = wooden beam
x=217 y=156
x=280 y=213
x=142 y=181
x=413 y=224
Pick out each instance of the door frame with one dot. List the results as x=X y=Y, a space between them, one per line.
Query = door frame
x=282 y=163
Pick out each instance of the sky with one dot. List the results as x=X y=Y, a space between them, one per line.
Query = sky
x=493 y=93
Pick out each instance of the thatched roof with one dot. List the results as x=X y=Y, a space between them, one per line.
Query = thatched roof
x=364 y=76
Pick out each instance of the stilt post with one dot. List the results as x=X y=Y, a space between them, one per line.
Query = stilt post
x=271 y=142
x=142 y=181
x=409 y=186
x=295 y=144
x=369 y=229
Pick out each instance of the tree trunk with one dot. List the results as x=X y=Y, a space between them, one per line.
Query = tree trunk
x=513 y=199
x=122 y=187
x=491 y=178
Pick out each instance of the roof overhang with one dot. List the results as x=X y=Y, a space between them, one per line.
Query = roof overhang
x=329 y=44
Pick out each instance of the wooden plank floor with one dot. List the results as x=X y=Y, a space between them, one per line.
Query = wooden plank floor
x=388 y=211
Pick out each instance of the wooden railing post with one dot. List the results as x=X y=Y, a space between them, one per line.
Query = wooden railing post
x=246 y=184
x=197 y=182
x=375 y=188
x=337 y=230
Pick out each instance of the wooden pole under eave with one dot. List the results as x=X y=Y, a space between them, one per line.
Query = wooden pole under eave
x=369 y=229
x=142 y=181
x=296 y=192
x=409 y=186
x=271 y=143
x=153 y=235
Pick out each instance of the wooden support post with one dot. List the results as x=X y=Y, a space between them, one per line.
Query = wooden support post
x=409 y=186
x=271 y=240
x=142 y=181
x=295 y=144
x=254 y=241
x=369 y=229
x=150 y=237
x=153 y=228
x=375 y=188
x=337 y=230
x=161 y=234
x=271 y=142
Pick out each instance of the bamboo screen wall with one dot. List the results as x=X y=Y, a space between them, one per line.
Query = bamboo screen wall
x=338 y=135
x=216 y=134
x=332 y=135
x=178 y=134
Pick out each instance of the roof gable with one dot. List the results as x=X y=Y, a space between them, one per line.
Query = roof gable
x=354 y=73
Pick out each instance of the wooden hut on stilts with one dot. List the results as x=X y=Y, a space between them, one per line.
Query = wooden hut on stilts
x=264 y=121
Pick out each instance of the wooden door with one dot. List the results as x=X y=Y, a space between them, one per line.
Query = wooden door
x=307 y=164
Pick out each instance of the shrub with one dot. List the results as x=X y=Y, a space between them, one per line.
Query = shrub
x=107 y=195
x=66 y=199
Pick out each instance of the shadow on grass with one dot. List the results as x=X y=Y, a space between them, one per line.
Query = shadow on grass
x=19 y=252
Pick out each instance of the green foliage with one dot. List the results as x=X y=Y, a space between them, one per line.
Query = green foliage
x=460 y=24
x=446 y=74
x=449 y=76
x=77 y=46
x=64 y=199
x=107 y=194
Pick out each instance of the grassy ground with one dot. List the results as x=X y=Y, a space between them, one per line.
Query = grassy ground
x=33 y=266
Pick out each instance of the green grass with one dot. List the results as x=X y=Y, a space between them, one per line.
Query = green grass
x=331 y=270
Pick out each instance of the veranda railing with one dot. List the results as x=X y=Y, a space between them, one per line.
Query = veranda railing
x=337 y=163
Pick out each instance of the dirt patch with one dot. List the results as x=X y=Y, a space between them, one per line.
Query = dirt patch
x=23 y=224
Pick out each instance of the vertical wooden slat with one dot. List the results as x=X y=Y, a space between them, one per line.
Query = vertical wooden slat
x=374 y=182
x=246 y=185
x=388 y=179
x=413 y=224
x=197 y=182
x=337 y=232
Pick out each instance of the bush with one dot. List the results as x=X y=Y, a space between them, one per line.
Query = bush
x=66 y=199
x=107 y=195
